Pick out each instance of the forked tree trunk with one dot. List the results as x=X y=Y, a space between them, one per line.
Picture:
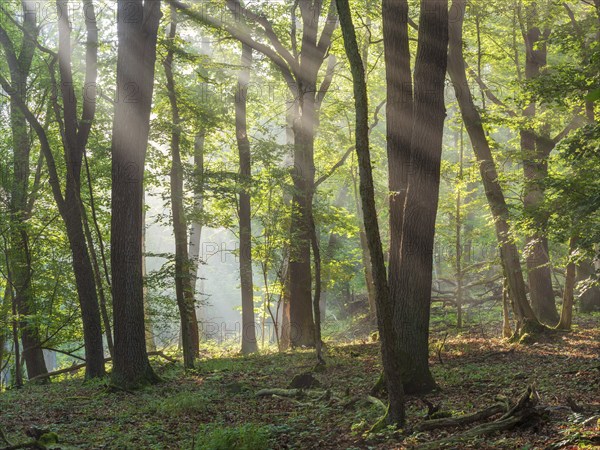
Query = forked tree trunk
x=249 y=344
x=509 y=254
x=131 y=128
x=387 y=332
x=412 y=293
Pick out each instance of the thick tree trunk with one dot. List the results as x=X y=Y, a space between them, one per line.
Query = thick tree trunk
x=509 y=254
x=412 y=292
x=387 y=332
x=183 y=287
x=399 y=116
x=131 y=127
x=301 y=314
x=249 y=344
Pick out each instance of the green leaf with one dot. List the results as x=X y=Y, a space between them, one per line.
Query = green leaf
x=593 y=96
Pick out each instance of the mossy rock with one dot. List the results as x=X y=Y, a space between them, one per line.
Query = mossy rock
x=304 y=380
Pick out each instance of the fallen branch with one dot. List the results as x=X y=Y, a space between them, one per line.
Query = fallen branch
x=434 y=424
x=523 y=410
x=76 y=367
x=582 y=408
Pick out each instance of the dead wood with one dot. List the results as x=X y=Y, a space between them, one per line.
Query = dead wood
x=76 y=367
x=523 y=410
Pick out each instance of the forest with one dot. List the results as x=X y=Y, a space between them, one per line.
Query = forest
x=299 y=224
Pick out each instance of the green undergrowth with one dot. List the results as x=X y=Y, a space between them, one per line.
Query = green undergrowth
x=215 y=406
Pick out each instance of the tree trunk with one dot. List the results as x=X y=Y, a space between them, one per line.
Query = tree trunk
x=506 y=328
x=301 y=315
x=589 y=300
x=387 y=332
x=412 y=292
x=183 y=287
x=249 y=344
x=194 y=251
x=509 y=254
x=75 y=138
x=399 y=116
x=566 y=313
x=535 y=152
x=131 y=127
x=19 y=257
x=150 y=342
x=364 y=247
x=458 y=242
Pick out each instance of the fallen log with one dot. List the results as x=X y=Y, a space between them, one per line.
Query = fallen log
x=76 y=367
x=523 y=410
x=457 y=421
x=582 y=408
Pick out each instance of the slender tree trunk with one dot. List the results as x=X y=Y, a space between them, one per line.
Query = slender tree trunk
x=148 y=329
x=15 y=332
x=131 y=127
x=535 y=152
x=506 y=328
x=99 y=285
x=249 y=344
x=459 y=243
x=19 y=254
x=75 y=137
x=194 y=250
x=387 y=332
x=86 y=287
x=366 y=257
x=509 y=254
x=566 y=314
x=183 y=287
x=412 y=293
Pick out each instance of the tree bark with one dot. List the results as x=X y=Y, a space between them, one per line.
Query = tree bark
x=399 y=116
x=535 y=151
x=566 y=313
x=249 y=343
x=183 y=287
x=364 y=247
x=387 y=332
x=589 y=300
x=509 y=254
x=135 y=78
x=412 y=291
x=19 y=257
x=75 y=138
x=194 y=251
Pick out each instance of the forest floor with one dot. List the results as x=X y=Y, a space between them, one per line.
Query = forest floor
x=205 y=408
